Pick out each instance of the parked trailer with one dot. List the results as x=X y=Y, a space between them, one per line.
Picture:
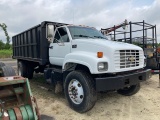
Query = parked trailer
x=81 y=60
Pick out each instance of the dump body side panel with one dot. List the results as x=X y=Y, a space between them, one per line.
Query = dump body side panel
x=32 y=45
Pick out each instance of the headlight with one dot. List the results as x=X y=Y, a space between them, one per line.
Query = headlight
x=102 y=66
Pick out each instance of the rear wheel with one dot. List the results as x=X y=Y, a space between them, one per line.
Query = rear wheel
x=29 y=72
x=131 y=90
x=7 y=71
x=79 y=91
x=22 y=70
x=25 y=70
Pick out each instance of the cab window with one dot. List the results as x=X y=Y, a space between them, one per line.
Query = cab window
x=61 y=35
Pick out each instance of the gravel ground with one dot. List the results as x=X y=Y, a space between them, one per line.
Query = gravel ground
x=145 y=105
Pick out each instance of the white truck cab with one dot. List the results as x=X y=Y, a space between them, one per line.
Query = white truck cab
x=81 y=45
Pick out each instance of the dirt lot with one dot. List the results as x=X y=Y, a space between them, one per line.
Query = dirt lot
x=145 y=105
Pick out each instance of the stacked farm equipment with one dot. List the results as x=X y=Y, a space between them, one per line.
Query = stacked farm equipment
x=16 y=99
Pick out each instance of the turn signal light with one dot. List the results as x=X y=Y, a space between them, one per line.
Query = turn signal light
x=99 y=54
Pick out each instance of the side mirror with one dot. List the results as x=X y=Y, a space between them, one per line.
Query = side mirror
x=49 y=32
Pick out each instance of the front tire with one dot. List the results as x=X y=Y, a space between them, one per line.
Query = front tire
x=131 y=90
x=79 y=91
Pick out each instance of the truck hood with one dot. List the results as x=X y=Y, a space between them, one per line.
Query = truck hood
x=107 y=43
x=86 y=50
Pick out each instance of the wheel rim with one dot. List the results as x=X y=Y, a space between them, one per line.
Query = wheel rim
x=75 y=91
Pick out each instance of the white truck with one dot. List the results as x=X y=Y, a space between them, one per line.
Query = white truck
x=81 y=59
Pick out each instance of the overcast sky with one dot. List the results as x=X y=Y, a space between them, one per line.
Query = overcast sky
x=20 y=15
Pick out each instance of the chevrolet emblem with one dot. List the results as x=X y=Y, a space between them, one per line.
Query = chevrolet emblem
x=131 y=58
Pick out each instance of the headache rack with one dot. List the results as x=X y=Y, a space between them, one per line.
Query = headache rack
x=141 y=34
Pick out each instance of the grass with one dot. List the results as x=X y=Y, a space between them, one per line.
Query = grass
x=6 y=53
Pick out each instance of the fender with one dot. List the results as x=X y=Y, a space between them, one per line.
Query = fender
x=88 y=59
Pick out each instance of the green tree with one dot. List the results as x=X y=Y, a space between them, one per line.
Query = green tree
x=7 y=46
x=2 y=45
x=4 y=28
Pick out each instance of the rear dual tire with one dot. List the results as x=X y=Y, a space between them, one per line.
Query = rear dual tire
x=25 y=70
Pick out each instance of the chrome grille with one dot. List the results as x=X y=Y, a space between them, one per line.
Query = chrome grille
x=127 y=58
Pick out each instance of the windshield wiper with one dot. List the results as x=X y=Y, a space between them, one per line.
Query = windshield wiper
x=99 y=37
x=83 y=36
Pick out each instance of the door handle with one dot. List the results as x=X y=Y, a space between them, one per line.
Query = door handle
x=74 y=46
x=51 y=47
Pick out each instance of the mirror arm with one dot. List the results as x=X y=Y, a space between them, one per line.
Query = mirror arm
x=59 y=42
x=59 y=33
x=56 y=40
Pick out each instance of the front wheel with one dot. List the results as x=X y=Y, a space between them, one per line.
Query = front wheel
x=131 y=90
x=79 y=91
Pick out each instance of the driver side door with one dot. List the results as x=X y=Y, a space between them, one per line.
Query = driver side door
x=60 y=46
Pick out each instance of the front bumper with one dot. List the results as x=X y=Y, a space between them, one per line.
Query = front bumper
x=121 y=81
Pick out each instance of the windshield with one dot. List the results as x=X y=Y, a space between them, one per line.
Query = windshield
x=78 y=32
